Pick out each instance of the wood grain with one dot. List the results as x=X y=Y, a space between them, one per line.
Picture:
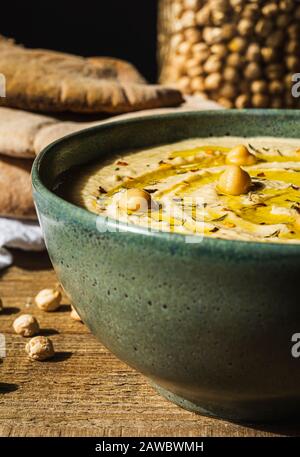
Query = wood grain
x=85 y=390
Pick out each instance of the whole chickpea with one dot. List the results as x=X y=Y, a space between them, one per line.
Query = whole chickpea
x=269 y=54
x=234 y=60
x=196 y=70
x=253 y=52
x=177 y=9
x=200 y=51
x=212 y=35
x=176 y=39
x=242 y=101
x=240 y=155
x=193 y=35
x=293 y=63
x=179 y=161
x=218 y=17
x=252 y=71
x=225 y=102
x=286 y=5
x=263 y=28
x=270 y=9
x=74 y=315
x=276 y=87
x=237 y=3
x=213 y=64
x=203 y=16
x=231 y=74
x=184 y=48
x=238 y=44
x=219 y=50
x=234 y=181
x=187 y=19
x=48 y=299
x=293 y=47
x=228 y=31
x=250 y=12
x=260 y=101
x=26 y=325
x=228 y=90
x=245 y=27
x=40 y=348
x=213 y=81
x=197 y=84
x=135 y=200
x=259 y=86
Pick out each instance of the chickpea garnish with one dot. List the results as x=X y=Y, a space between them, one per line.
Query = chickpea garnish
x=234 y=181
x=240 y=155
x=26 y=325
x=181 y=161
x=135 y=200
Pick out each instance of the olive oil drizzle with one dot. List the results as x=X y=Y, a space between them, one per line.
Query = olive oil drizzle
x=214 y=156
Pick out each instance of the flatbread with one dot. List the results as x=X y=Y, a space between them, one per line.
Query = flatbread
x=15 y=189
x=18 y=130
x=50 y=81
x=118 y=69
x=24 y=134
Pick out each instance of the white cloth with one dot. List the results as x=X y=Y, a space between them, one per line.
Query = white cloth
x=24 y=235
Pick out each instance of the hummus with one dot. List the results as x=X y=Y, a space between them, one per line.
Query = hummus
x=182 y=181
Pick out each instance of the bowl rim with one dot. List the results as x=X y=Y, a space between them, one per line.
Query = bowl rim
x=89 y=219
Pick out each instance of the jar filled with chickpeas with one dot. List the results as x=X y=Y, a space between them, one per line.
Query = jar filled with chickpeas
x=240 y=53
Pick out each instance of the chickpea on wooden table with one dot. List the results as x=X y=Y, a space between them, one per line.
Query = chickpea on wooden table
x=86 y=391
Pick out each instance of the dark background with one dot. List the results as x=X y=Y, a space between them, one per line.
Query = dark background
x=116 y=28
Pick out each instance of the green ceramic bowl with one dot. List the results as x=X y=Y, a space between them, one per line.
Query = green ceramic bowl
x=210 y=324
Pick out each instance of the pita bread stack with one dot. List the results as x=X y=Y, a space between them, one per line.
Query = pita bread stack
x=48 y=82
x=15 y=188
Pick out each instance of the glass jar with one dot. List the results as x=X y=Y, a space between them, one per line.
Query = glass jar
x=240 y=53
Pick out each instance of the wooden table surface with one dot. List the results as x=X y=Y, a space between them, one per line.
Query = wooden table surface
x=85 y=390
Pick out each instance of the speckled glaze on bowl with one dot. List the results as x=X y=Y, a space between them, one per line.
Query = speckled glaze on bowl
x=210 y=323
